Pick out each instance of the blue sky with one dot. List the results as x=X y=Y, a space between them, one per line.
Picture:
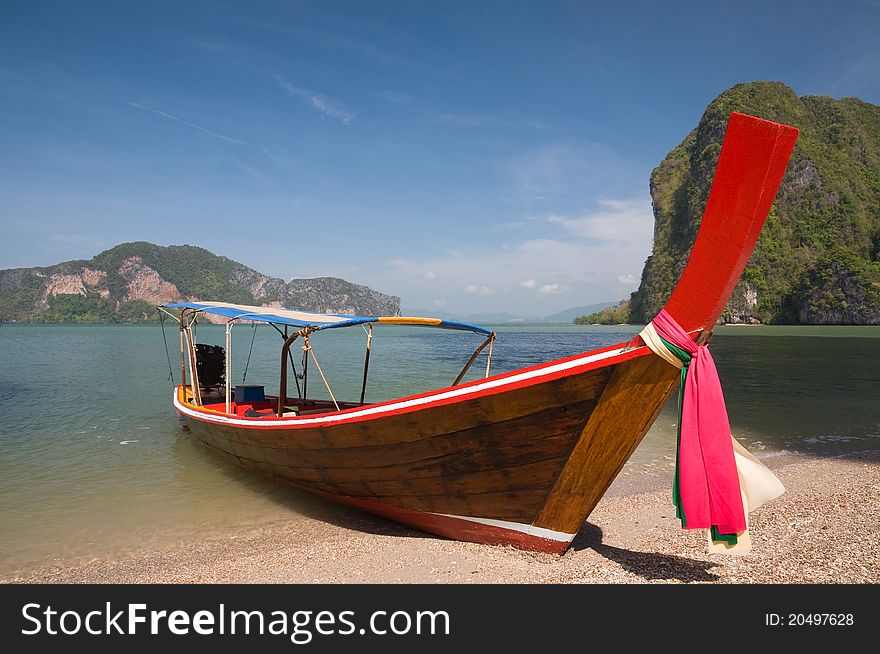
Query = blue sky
x=466 y=156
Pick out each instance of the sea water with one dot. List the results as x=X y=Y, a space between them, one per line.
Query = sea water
x=93 y=462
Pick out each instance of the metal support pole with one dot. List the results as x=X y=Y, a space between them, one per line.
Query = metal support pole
x=366 y=363
x=193 y=365
x=489 y=358
x=473 y=358
x=182 y=350
x=282 y=384
x=229 y=366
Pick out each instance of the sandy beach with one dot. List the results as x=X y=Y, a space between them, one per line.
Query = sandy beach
x=824 y=529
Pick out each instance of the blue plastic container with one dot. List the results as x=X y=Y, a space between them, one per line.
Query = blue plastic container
x=245 y=393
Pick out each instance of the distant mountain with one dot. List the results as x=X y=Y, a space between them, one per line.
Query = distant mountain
x=503 y=317
x=570 y=314
x=125 y=283
x=817 y=260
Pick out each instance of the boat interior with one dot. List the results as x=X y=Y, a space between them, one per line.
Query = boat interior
x=265 y=406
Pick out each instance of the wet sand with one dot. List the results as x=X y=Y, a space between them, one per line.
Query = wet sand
x=824 y=529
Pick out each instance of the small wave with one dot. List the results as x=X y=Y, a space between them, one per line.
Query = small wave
x=777 y=453
x=831 y=438
x=126 y=442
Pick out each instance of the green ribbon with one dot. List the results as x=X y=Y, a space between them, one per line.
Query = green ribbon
x=685 y=359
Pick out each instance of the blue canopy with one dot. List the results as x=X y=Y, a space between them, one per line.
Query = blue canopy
x=282 y=316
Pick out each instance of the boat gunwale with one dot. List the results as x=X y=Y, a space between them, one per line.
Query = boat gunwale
x=499 y=383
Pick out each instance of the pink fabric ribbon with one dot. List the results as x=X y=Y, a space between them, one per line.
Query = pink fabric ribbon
x=708 y=480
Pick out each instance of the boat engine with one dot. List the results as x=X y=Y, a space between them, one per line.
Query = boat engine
x=211 y=366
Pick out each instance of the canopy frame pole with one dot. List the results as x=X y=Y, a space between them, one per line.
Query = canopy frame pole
x=473 y=358
x=182 y=350
x=229 y=365
x=282 y=384
x=366 y=362
x=193 y=365
x=489 y=358
x=308 y=349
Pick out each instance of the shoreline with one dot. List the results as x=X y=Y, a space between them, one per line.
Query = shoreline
x=822 y=530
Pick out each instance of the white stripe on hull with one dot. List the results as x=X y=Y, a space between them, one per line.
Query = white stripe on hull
x=531 y=530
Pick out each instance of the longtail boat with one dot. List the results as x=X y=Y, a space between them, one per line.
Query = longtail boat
x=519 y=458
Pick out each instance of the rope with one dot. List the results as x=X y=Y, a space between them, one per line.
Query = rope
x=165 y=340
x=248 y=363
x=296 y=376
x=305 y=373
x=308 y=348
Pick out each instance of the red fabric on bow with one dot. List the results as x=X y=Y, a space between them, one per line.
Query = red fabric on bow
x=708 y=481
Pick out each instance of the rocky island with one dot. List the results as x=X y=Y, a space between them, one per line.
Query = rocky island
x=125 y=283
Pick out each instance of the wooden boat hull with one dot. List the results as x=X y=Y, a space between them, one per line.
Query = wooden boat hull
x=488 y=465
x=521 y=458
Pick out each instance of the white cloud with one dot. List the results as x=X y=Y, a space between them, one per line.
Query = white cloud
x=439 y=303
x=429 y=275
x=322 y=104
x=618 y=221
x=552 y=289
x=528 y=283
x=477 y=290
x=627 y=280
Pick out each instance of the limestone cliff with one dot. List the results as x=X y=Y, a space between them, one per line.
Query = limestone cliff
x=818 y=259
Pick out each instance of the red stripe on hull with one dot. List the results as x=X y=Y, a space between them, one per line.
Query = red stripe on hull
x=392 y=407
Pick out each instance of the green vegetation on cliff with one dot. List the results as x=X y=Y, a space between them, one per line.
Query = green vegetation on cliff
x=125 y=283
x=193 y=270
x=818 y=258
x=72 y=307
x=616 y=315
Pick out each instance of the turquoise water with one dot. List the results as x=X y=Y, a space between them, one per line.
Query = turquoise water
x=93 y=461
